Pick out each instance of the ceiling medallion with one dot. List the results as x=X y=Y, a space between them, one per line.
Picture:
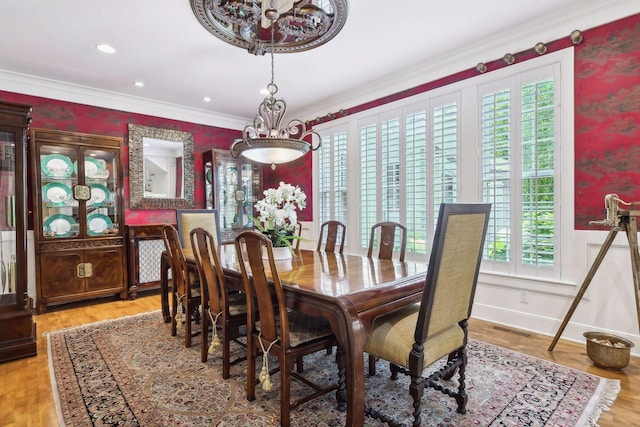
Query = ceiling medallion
x=301 y=25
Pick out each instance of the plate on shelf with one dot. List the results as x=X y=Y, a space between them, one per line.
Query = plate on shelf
x=209 y=175
x=97 y=224
x=57 y=193
x=100 y=195
x=59 y=224
x=93 y=168
x=56 y=165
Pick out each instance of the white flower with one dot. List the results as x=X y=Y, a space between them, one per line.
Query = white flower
x=278 y=208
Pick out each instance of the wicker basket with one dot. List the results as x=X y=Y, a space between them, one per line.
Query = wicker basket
x=608 y=356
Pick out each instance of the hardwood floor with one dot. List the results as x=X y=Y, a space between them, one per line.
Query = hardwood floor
x=26 y=399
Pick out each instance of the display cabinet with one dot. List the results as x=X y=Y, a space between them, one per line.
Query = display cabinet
x=232 y=187
x=78 y=210
x=17 y=329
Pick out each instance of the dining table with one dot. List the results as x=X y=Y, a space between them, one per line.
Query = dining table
x=350 y=291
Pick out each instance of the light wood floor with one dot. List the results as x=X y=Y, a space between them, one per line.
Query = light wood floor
x=25 y=387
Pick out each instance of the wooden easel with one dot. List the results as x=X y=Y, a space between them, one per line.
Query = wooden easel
x=619 y=220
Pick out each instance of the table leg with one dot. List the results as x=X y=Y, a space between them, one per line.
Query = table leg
x=164 y=287
x=349 y=333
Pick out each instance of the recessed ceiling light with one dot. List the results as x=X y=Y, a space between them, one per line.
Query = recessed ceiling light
x=206 y=99
x=138 y=83
x=105 y=48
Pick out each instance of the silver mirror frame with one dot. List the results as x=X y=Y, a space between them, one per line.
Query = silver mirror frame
x=136 y=168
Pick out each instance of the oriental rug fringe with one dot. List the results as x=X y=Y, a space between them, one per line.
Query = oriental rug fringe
x=132 y=372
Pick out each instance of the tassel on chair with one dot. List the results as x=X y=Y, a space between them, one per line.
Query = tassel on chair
x=264 y=377
x=215 y=341
x=179 y=313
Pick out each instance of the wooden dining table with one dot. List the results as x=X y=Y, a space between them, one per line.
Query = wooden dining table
x=348 y=290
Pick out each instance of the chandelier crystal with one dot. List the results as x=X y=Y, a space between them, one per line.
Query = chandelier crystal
x=300 y=25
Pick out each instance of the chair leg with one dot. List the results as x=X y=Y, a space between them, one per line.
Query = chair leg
x=416 y=390
x=285 y=391
x=226 y=350
x=300 y=365
x=251 y=366
x=341 y=392
x=461 y=396
x=451 y=356
x=174 y=313
x=187 y=324
x=204 y=333
x=372 y=366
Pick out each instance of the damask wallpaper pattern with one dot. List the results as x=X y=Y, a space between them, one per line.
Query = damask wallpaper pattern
x=607 y=118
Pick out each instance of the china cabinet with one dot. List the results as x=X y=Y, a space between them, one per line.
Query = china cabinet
x=78 y=213
x=232 y=186
x=17 y=329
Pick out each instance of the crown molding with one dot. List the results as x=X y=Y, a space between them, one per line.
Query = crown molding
x=36 y=86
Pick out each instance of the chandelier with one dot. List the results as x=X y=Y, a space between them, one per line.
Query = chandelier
x=300 y=24
x=265 y=140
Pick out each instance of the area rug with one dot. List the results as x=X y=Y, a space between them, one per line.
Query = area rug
x=132 y=372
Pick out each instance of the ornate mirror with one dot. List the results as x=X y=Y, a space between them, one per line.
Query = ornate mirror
x=160 y=168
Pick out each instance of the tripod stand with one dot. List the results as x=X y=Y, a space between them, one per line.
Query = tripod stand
x=619 y=220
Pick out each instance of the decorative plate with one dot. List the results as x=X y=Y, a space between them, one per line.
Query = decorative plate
x=56 y=165
x=97 y=224
x=59 y=224
x=93 y=168
x=57 y=193
x=100 y=195
x=209 y=176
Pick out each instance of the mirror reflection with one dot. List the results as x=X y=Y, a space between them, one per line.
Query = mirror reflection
x=160 y=168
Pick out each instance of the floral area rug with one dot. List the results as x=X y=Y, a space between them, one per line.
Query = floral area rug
x=132 y=372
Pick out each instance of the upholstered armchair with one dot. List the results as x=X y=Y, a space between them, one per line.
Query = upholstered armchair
x=414 y=338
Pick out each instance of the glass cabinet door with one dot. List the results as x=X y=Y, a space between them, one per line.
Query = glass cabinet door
x=79 y=199
x=58 y=178
x=18 y=336
x=8 y=243
x=237 y=185
x=101 y=170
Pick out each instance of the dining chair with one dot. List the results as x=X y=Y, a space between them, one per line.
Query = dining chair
x=297 y=231
x=281 y=332
x=189 y=219
x=225 y=308
x=335 y=232
x=186 y=289
x=417 y=336
x=384 y=235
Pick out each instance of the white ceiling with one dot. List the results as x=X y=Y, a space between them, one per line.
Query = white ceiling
x=162 y=44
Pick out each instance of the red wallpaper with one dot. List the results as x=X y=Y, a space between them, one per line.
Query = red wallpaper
x=607 y=118
x=52 y=114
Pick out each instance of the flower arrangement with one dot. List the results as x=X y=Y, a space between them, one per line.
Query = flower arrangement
x=277 y=214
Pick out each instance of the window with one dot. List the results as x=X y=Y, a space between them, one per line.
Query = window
x=518 y=128
x=332 y=173
x=494 y=138
x=408 y=166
